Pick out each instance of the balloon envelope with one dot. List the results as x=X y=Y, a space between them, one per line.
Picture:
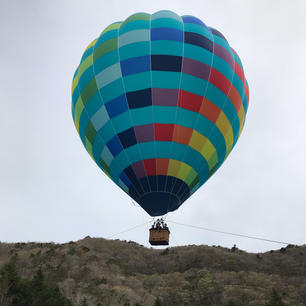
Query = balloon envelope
x=159 y=102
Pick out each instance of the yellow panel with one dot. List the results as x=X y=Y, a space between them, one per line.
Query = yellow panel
x=241 y=116
x=75 y=82
x=108 y=175
x=174 y=167
x=197 y=141
x=213 y=160
x=184 y=171
x=77 y=126
x=229 y=138
x=208 y=150
x=87 y=62
x=91 y=44
x=78 y=109
x=89 y=147
x=223 y=124
x=111 y=27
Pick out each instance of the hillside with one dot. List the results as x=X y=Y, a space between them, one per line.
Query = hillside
x=96 y=272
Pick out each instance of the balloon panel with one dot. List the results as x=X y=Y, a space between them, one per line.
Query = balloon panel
x=159 y=102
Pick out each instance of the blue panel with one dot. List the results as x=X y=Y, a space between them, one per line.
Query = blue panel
x=130 y=173
x=140 y=98
x=198 y=40
x=166 y=63
x=135 y=65
x=117 y=106
x=191 y=19
x=114 y=145
x=127 y=138
x=125 y=179
x=167 y=34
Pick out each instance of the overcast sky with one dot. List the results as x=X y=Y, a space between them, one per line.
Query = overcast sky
x=51 y=190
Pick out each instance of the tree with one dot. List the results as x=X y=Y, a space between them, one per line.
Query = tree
x=275 y=299
x=157 y=302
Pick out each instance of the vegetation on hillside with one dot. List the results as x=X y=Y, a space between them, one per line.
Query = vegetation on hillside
x=99 y=272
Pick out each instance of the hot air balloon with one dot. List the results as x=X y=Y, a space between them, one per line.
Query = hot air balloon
x=159 y=102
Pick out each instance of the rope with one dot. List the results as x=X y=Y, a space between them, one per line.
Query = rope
x=172 y=238
x=129 y=229
x=136 y=205
x=228 y=233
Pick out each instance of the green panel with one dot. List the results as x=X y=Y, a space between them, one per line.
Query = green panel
x=105 y=47
x=90 y=89
x=90 y=132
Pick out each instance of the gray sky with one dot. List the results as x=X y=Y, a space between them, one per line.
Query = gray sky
x=51 y=190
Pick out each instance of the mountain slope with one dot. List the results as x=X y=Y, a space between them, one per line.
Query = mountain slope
x=96 y=271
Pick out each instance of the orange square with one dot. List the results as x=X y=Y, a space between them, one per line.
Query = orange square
x=210 y=110
x=182 y=134
x=162 y=166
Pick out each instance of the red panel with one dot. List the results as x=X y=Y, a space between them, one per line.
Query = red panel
x=235 y=98
x=239 y=72
x=210 y=110
x=150 y=166
x=219 y=80
x=190 y=101
x=163 y=132
x=246 y=89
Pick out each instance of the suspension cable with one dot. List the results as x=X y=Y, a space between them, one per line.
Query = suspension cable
x=229 y=233
x=129 y=229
